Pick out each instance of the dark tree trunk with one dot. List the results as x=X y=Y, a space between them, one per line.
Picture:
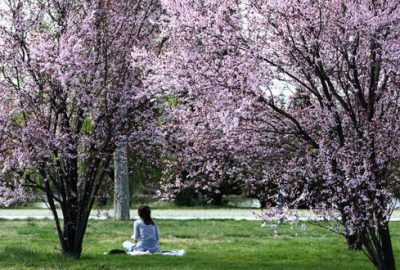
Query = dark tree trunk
x=263 y=203
x=217 y=199
x=71 y=247
x=387 y=249
x=73 y=231
x=354 y=239
x=354 y=242
x=378 y=246
x=76 y=204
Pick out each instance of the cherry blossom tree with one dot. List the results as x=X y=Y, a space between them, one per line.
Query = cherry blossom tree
x=201 y=143
x=213 y=156
x=342 y=56
x=327 y=75
x=70 y=92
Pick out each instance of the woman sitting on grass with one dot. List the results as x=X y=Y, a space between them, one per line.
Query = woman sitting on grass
x=145 y=233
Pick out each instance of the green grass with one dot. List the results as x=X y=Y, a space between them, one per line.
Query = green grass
x=211 y=244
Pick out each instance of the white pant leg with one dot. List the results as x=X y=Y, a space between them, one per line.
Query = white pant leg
x=128 y=245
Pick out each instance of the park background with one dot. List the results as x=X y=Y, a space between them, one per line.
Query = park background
x=199 y=107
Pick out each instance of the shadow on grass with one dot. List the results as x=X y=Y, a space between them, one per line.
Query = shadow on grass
x=18 y=254
x=15 y=255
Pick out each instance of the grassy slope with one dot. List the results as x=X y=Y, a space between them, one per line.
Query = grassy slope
x=210 y=244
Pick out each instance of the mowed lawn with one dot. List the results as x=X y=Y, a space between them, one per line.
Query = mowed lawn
x=211 y=244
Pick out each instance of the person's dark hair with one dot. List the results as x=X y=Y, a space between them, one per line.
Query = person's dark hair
x=144 y=213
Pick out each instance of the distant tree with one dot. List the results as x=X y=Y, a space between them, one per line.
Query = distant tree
x=121 y=182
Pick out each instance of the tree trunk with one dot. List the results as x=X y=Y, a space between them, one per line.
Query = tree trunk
x=263 y=203
x=121 y=183
x=76 y=215
x=354 y=242
x=74 y=226
x=72 y=239
x=378 y=246
x=73 y=234
x=354 y=239
x=217 y=199
x=76 y=199
x=387 y=249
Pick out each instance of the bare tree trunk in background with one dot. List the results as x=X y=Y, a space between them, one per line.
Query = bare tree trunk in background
x=121 y=183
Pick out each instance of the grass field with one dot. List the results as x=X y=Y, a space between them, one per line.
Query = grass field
x=211 y=244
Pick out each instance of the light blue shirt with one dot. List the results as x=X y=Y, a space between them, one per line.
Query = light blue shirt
x=147 y=237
